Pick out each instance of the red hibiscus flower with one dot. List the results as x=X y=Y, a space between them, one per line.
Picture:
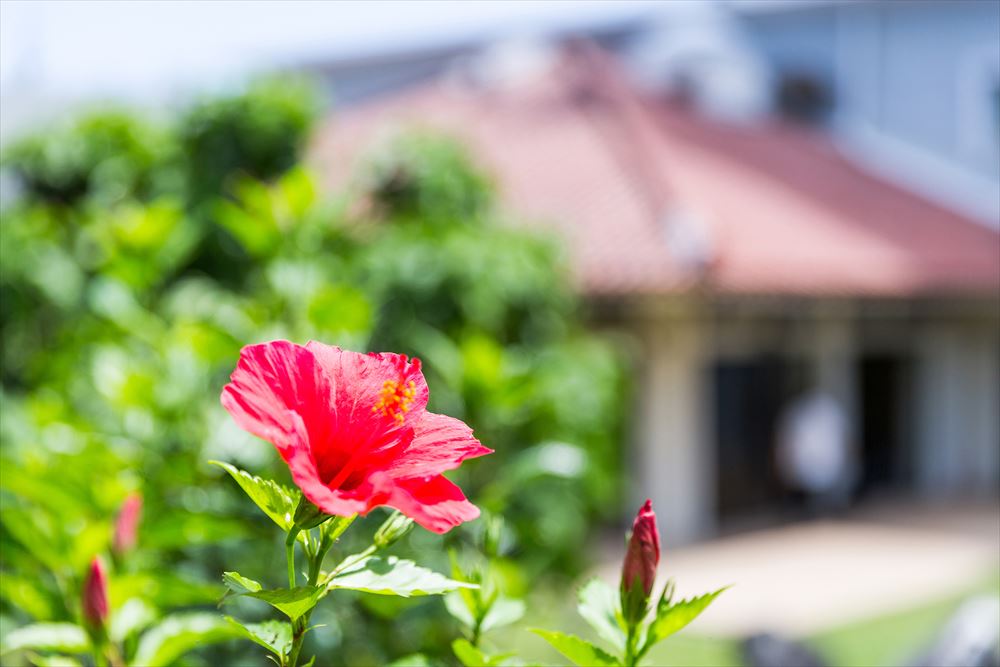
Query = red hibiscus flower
x=353 y=429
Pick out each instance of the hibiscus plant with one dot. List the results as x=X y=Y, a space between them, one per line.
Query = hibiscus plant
x=629 y=621
x=485 y=608
x=355 y=434
x=136 y=631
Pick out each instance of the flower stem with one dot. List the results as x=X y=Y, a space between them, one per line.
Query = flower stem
x=99 y=645
x=300 y=626
x=477 y=633
x=298 y=632
x=631 y=658
x=290 y=554
x=115 y=658
x=297 y=627
x=317 y=560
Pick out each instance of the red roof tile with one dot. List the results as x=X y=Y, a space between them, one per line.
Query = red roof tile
x=650 y=197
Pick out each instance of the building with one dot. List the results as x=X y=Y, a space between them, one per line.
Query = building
x=911 y=87
x=750 y=261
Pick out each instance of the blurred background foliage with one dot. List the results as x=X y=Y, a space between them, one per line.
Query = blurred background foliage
x=139 y=256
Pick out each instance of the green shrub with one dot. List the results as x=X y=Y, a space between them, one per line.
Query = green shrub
x=125 y=299
x=107 y=155
x=259 y=133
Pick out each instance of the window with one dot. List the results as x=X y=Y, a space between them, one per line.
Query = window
x=804 y=98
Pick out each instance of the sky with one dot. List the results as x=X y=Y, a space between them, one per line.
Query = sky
x=88 y=48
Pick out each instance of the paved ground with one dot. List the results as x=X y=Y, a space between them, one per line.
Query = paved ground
x=806 y=577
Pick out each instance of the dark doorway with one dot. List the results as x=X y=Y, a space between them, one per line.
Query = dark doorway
x=749 y=398
x=884 y=401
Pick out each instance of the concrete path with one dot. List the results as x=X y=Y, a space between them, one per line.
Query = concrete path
x=807 y=577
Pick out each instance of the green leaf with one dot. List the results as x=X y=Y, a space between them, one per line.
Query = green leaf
x=37 y=535
x=275 y=636
x=63 y=637
x=239 y=584
x=471 y=597
x=599 y=607
x=162 y=589
x=252 y=223
x=454 y=602
x=412 y=660
x=130 y=618
x=53 y=660
x=471 y=656
x=27 y=594
x=503 y=611
x=467 y=654
x=275 y=500
x=580 y=651
x=292 y=602
x=178 y=634
x=392 y=576
x=57 y=496
x=671 y=618
x=339 y=309
x=184 y=529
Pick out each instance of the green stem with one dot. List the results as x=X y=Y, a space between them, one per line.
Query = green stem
x=115 y=657
x=477 y=633
x=290 y=554
x=302 y=623
x=99 y=644
x=298 y=632
x=317 y=560
x=631 y=658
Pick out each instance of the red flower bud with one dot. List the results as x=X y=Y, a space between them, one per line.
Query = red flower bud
x=95 y=595
x=641 y=560
x=127 y=524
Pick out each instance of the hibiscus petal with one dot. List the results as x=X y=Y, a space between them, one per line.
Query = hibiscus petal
x=307 y=477
x=370 y=416
x=439 y=443
x=433 y=502
x=359 y=381
x=273 y=382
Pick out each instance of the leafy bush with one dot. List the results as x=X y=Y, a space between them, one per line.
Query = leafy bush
x=260 y=133
x=108 y=155
x=124 y=302
x=428 y=178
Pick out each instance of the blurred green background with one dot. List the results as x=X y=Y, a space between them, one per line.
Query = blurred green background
x=140 y=254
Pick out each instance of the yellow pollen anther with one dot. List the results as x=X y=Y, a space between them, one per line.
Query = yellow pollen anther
x=395 y=399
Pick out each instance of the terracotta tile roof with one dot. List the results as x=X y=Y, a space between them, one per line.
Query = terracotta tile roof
x=651 y=198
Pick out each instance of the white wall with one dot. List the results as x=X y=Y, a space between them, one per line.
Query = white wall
x=673 y=460
x=954 y=425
